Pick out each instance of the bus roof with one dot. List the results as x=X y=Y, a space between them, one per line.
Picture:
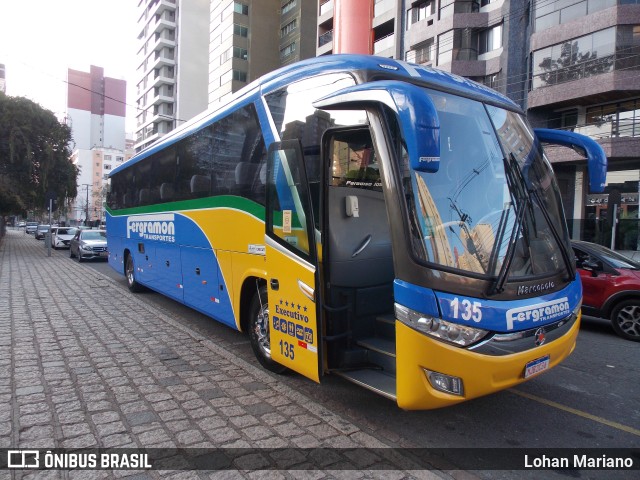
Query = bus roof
x=387 y=68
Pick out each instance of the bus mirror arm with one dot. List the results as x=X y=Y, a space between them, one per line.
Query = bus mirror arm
x=596 y=158
x=417 y=115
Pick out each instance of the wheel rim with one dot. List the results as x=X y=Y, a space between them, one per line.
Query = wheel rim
x=129 y=271
x=628 y=320
x=261 y=330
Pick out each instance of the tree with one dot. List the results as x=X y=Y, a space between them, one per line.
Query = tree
x=34 y=157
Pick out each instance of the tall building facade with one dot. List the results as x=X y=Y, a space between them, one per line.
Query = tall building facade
x=485 y=40
x=173 y=65
x=96 y=112
x=249 y=38
x=585 y=77
x=570 y=63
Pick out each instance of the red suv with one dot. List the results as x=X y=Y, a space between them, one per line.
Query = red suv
x=611 y=287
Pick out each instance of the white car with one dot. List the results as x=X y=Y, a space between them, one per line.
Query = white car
x=61 y=236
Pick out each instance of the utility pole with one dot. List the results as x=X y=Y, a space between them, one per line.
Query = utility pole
x=86 y=207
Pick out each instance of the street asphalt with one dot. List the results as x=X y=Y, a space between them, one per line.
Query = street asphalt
x=85 y=363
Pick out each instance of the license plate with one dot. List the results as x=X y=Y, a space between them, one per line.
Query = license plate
x=104 y=254
x=536 y=366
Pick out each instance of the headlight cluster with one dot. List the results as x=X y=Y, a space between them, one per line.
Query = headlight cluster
x=460 y=335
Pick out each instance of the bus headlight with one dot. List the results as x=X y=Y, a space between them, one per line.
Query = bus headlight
x=459 y=335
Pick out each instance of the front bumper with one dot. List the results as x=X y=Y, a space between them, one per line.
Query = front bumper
x=482 y=374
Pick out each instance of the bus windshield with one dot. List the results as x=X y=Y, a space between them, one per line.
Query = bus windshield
x=493 y=207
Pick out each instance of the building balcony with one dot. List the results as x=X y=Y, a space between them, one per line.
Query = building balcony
x=326 y=10
x=599 y=83
x=325 y=43
x=160 y=7
x=385 y=46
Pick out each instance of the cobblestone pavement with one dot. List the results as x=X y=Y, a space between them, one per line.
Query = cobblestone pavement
x=85 y=363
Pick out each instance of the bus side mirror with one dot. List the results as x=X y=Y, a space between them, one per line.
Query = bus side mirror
x=417 y=115
x=596 y=159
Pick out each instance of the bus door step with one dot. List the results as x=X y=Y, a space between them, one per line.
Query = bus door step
x=380 y=351
x=374 y=380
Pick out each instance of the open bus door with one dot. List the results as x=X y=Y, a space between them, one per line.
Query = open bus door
x=291 y=260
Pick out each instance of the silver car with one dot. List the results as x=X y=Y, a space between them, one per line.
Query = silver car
x=88 y=245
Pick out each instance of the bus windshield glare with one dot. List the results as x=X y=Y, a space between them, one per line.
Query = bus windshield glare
x=493 y=200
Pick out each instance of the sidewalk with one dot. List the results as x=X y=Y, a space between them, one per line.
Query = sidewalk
x=85 y=363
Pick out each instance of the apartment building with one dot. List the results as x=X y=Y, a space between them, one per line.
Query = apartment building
x=96 y=111
x=173 y=65
x=249 y=38
x=570 y=63
x=484 y=40
x=585 y=76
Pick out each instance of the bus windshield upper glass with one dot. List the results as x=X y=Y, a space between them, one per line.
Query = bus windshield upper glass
x=492 y=208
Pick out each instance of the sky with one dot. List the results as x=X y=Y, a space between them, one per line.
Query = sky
x=41 y=39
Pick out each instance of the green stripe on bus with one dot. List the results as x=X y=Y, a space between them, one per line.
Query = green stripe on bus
x=222 y=201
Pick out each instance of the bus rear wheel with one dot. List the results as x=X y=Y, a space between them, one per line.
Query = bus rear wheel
x=129 y=272
x=259 y=331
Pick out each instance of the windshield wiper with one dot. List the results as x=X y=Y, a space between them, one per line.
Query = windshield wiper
x=568 y=263
x=523 y=201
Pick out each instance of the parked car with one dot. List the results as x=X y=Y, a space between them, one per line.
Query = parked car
x=611 y=287
x=22 y=224
x=61 y=236
x=88 y=245
x=31 y=227
x=41 y=231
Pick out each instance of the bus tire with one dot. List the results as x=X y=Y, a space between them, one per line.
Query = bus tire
x=129 y=273
x=259 y=331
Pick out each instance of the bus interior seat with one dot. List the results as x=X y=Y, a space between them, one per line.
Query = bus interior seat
x=260 y=183
x=128 y=199
x=244 y=176
x=148 y=196
x=360 y=254
x=166 y=192
x=200 y=185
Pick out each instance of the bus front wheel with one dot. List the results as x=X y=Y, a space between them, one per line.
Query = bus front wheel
x=129 y=272
x=259 y=331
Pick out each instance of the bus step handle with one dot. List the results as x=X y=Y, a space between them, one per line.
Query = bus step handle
x=275 y=285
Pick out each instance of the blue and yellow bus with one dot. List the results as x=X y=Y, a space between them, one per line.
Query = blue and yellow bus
x=393 y=224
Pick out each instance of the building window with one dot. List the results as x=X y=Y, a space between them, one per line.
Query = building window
x=240 y=76
x=288 y=28
x=549 y=13
x=446 y=8
x=241 y=53
x=107 y=158
x=288 y=50
x=240 y=30
x=241 y=8
x=490 y=39
x=119 y=159
x=422 y=53
x=290 y=5
x=97 y=164
x=586 y=56
x=225 y=56
x=419 y=11
x=107 y=167
x=445 y=48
